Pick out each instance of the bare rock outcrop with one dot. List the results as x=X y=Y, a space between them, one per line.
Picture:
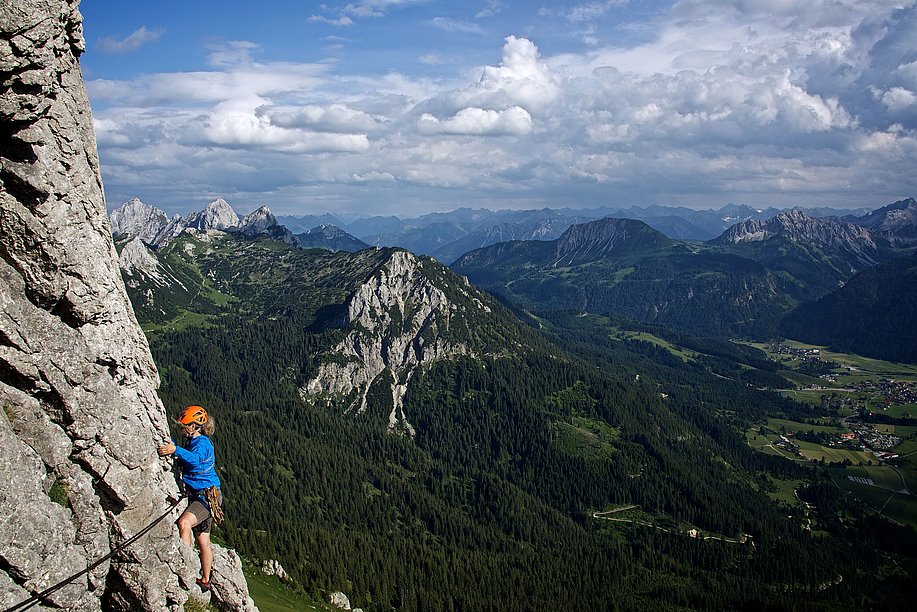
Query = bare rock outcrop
x=134 y=218
x=396 y=319
x=81 y=419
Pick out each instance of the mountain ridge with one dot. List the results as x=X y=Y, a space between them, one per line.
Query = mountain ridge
x=897 y=222
x=873 y=314
x=740 y=283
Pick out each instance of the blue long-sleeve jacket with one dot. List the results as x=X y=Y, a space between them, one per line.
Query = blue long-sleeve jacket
x=198 y=463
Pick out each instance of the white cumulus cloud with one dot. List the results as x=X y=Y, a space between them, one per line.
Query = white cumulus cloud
x=898 y=99
x=328 y=118
x=706 y=102
x=514 y=121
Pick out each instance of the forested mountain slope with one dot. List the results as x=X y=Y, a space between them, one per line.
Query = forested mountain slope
x=740 y=284
x=874 y=314
x=505 y=441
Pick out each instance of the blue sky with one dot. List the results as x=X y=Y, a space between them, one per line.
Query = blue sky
x=410 y=106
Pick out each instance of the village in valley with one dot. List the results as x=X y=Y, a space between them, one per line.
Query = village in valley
x=865 y=433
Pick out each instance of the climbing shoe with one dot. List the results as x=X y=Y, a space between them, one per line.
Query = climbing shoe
x=205 y=585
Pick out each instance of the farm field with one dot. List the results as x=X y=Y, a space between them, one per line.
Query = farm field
x=883 y=476
x=899 y=430
x=861 y=365
x=882 y=487
x=764 y=443
x=898 y=411
x=785 y=490
x=894 y=505
x=817 y=452
x=780 y=424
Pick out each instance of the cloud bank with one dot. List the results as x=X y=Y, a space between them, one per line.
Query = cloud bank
x=766 y=102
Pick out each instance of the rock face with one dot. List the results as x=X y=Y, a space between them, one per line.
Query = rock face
x=229 y=589
x=396 y=318
x=81 y=420
x=800 y=227
x=135 y=259
x=272 y=567
x=134 y=218
x=897 y=222
x=852 y=248
x=261 y=222
x=340 y=600
x=218 y=215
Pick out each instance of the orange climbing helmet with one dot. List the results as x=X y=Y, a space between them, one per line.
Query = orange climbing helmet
x=193 y=415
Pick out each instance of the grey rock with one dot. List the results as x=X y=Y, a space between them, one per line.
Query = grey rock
x=169 y=231
x=136 y=259
x=395 y=317
x=81 y=419
x=134 y=218
x=258 y=221
x=218 y=215
x=897 y=222
x=229 y=589
x=339 y=599
x=261 y=222
x=272 y=567
x=801 y=227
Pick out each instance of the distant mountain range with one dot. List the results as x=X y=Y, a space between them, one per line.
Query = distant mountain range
x=153 y=228
x=897 y=222
x=759 y=268
x=448 y=235
x=740 y=283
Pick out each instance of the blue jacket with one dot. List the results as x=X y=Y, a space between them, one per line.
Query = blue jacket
x=197 y=463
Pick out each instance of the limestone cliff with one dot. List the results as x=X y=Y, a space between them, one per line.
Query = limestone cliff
x=81 y=419
x=398 y=321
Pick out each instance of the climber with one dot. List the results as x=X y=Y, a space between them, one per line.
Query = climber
x=202 y=483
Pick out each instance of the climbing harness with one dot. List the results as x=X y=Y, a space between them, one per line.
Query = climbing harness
x=36 y=598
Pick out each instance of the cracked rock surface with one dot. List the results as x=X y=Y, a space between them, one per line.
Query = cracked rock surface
x=81 y=419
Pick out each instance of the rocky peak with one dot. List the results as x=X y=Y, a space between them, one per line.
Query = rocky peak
x=135 y=259
x=799 y=227
x=396 y=319
x=134 y=218
x=218 y=215
x=169 y=231
x=897 y=222
x=597 y=239
x=261 y=222
x=81 y=419
x=258 y=220
x=331 y=237
x=328 y=231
